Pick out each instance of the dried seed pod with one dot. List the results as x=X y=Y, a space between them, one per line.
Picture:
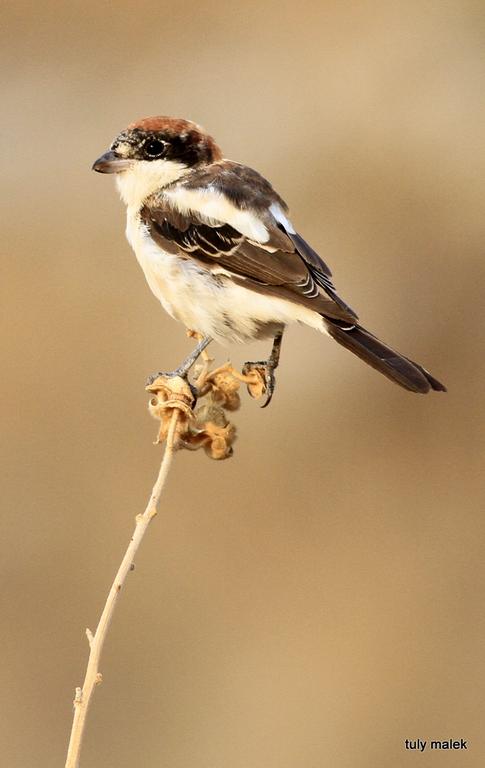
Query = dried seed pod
x=211 y=429
x=205 y=426
x=218 y=444
x=169 y=393
x=209 y=410
x=225 y=387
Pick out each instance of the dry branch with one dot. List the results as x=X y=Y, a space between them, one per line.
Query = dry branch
x=182 y=425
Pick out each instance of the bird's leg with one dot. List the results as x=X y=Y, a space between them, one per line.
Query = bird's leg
x=267 y=367
x=187 y=364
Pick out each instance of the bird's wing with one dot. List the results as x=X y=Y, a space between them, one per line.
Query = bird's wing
x=235 y=224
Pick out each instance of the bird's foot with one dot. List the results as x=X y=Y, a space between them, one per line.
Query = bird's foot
x=262 y=379
x=183 y=370
x=179 y=372
x=165 y=374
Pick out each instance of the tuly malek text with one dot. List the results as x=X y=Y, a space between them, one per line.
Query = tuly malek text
x=420 y=744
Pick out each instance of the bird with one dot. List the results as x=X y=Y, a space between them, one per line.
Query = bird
x=221 y=255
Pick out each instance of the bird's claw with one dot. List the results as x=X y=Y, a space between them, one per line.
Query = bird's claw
x=172 y=374
x=163 y=374
x=265 y=369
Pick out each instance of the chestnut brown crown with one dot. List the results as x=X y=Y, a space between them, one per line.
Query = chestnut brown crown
x=167 y=138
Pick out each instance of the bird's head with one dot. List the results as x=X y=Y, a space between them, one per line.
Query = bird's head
x=154 y=152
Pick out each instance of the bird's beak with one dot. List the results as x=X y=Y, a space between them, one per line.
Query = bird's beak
x=110 y=162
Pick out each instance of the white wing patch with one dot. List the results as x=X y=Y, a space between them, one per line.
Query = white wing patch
x=215 y=208
x=280 y=217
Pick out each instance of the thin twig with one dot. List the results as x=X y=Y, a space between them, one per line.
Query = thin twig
x=93 y=676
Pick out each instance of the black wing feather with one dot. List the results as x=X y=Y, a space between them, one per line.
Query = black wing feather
x=320 y=272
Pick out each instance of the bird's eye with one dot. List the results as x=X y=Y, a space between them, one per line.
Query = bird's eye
x=154 y=148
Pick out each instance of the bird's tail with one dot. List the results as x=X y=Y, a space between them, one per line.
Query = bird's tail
x=396 y=367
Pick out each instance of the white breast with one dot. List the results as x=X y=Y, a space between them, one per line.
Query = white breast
x=172 y=279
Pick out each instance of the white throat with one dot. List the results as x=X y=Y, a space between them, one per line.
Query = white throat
x=145 y=177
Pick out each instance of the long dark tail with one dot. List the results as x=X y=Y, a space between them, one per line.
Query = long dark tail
x=399 y=369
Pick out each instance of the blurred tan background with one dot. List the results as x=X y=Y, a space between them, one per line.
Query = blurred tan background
x=318 y=598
